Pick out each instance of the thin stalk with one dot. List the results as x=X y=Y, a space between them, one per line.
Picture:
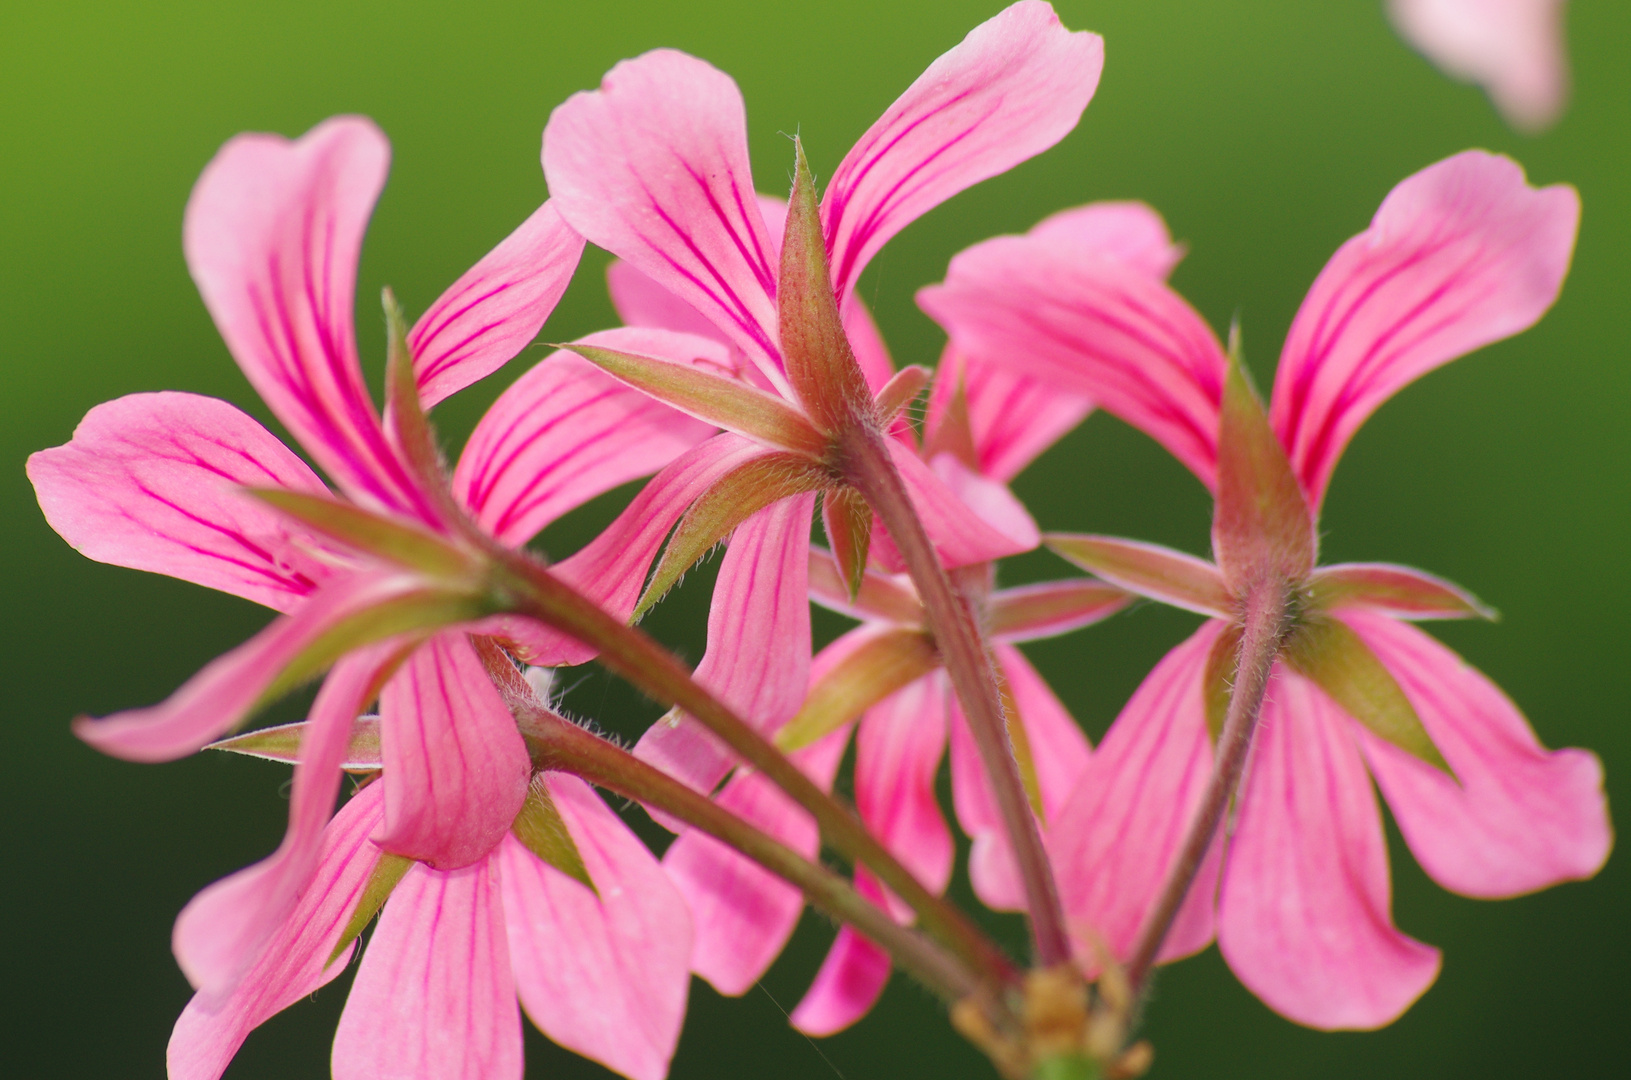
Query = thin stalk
x=866 y=464
x=632 y=654
x=1265 y=623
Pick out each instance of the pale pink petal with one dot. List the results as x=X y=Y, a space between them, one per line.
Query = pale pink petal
x=653 y=167
x=496 y=308
x=220 y=932
x=640 y=301
x=1059 y=751
x=151 y=481
x=1517 y=817
x=898 y=745
x=226 y=689
x=969 y=519
x=294 y=962
x=1117 y=834
x=272 y=236
x=1461 y=254
x=456 y=770
x=851 y=979
x=1303 y=906
x=1014 y=416
x=758 y=655
x=604 y=976
x=1131 y=232
x=1015 y=86
x=433 y=997
x=1084 y=321
x=1513 y=48
x=883 y=597
x=744 y=914
x=566 y=432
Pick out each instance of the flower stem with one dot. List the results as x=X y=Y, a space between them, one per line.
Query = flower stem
x=633 y=655
x=1265 y=623
x=866 y=464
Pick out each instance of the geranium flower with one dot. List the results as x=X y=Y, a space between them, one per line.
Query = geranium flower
x=1461 y=254
x=1512 y=48
x=161 y=482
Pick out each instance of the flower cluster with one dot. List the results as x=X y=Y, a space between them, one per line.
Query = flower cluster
x=751 y=385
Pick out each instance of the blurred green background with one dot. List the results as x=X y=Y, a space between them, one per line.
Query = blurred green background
x=1265 y=130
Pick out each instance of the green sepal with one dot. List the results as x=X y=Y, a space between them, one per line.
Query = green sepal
x=283 y=743
x=1400 y=591
x=848 y=520
x=817 y=355
x=404 y=415
x=859 y=681
x=394 y=541
x=1019 y=740
x=900 y=391
x=1032 y=612
x=737 y=496
x=1160 y=573
x=541 y=828
x=1328 y=652
x=1263 y=528
x=1217 y=684
x=387 y=872
x=715 y=399
x=1067 y=1067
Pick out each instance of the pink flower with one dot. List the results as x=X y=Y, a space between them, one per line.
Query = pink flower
x=1461 y=254
x=653 y=167
x=157 y=482
x=1513 y=48
x=602 y=972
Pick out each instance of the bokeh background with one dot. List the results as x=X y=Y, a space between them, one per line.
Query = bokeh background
x=1265 y=130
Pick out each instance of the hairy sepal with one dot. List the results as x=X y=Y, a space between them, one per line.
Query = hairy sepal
x=1151 y=570
x=283 y=743
x=387 y=872
x=1399 y=591
x=1218 y=682
x=730 y=404
x=393 y=541
x=859 y=681
x=1327 y=652
x=848 y=520
x=820 y=364
x=738 y=495
x=1050 y=608
x=541 y=829
x=1263 y=529
x=1020 y=741
x=900 y=391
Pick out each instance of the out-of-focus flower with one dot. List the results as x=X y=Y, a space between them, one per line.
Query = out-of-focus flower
x=1462 y=254
x=1512 y=48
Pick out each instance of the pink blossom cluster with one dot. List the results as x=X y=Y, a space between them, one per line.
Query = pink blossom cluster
x=502 y=885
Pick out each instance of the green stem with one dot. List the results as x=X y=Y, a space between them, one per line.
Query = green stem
x=632 y=654
x=866 y=464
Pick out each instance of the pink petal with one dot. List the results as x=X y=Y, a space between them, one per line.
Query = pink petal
x=758 y=655
x=1303 y=907
x=883 y=597
x=1517 y=817
x=898 y=745
x=220 y=932
x=606 y=977
x=1461 y=254
x=496 y=308
x=1117 y=834
x=272 y=236
x=653 y=167
x=744 y=914
x=433 y=998
x=1514 y=48
x=1014 y=416
x=150 y=481
x=294 y=962
x=1013 y=87
x=640 y=301
x=968 y=518
x=456 y=770
x=1086 y=322
x=566 y=432
x=226 y=689
x=1059 y=751
x=851 y=979
x=1130 y=232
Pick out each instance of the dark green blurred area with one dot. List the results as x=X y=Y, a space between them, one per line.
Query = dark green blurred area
x=1266 y=131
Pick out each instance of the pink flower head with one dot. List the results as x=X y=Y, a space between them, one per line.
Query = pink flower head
x=602 y=971
x=158 y=482
x=1512 y=48
x=653 y=166
x=1462 y=254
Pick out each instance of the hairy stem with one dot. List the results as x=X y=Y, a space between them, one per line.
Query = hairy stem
x=866 y=464
x=633 y=655
x=1265 y=624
